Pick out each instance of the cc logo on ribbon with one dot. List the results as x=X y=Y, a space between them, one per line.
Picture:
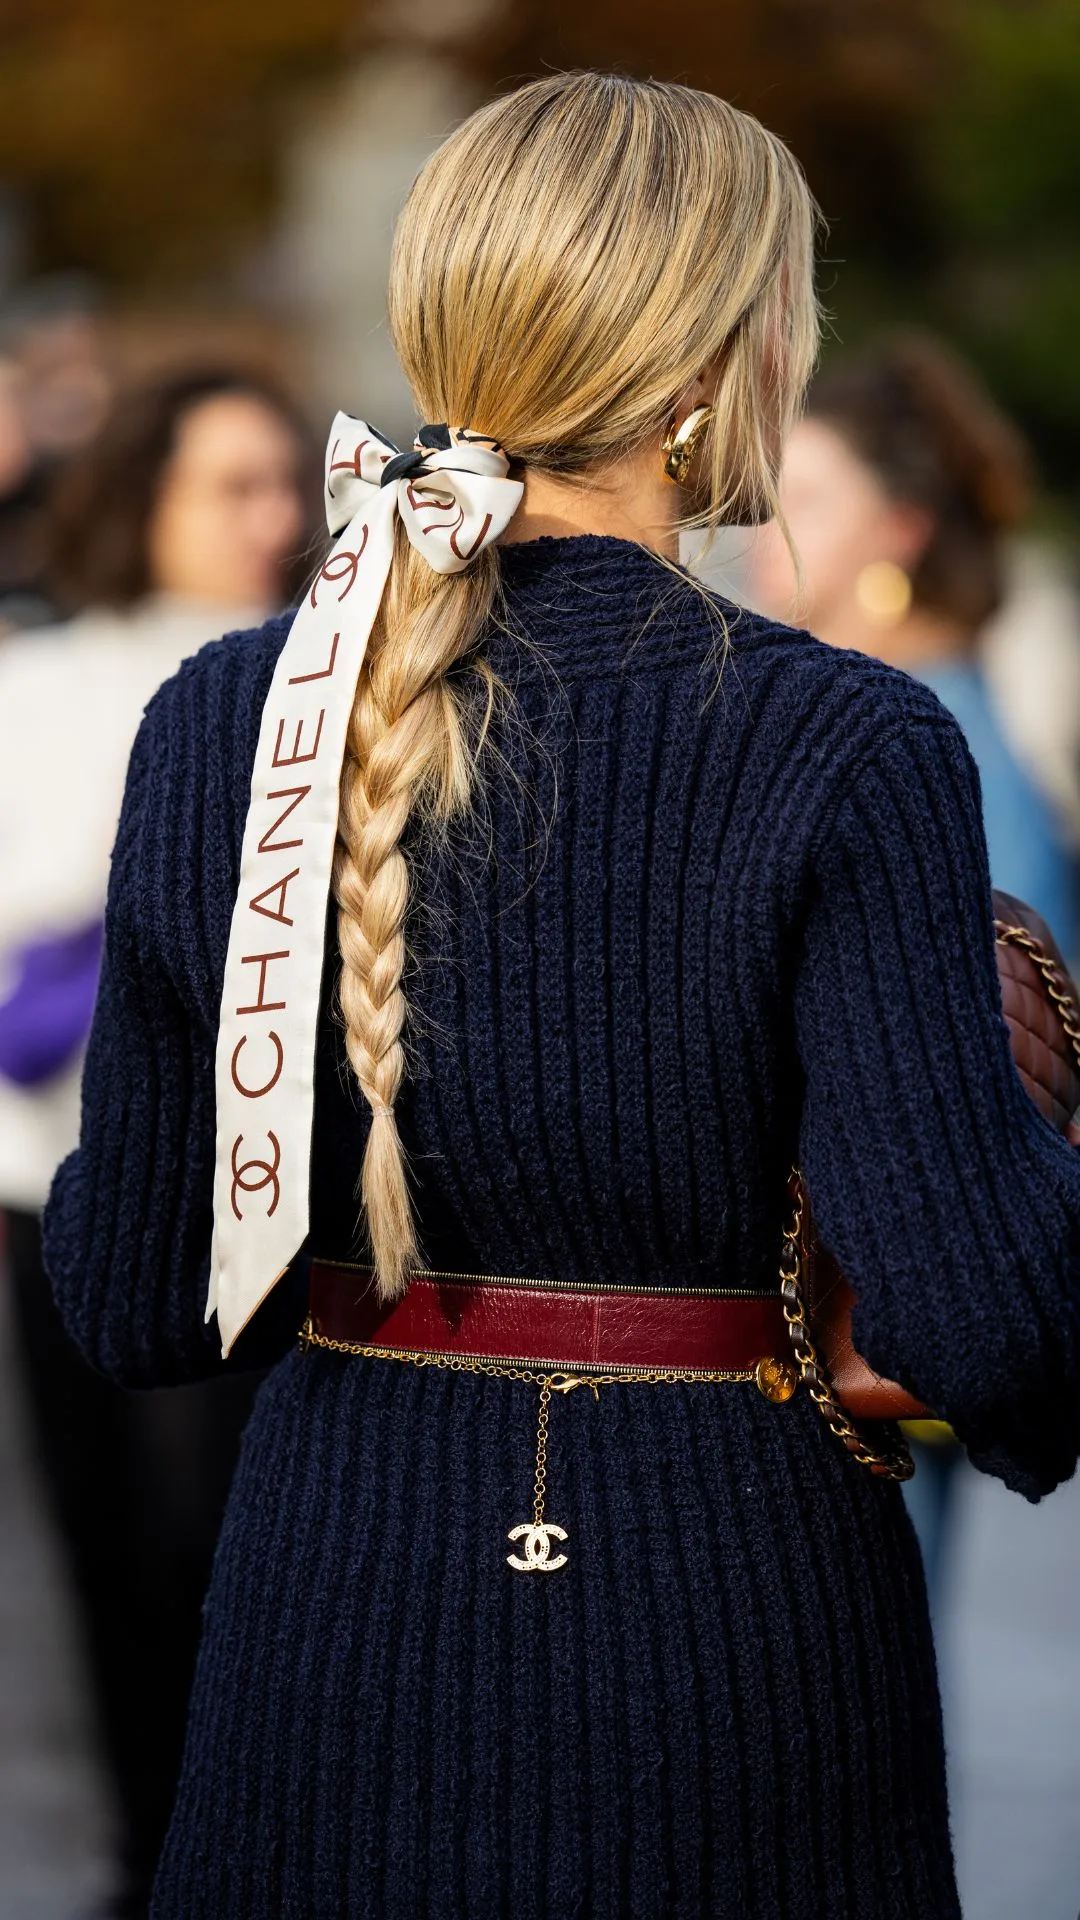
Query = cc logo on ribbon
x=538 y=1556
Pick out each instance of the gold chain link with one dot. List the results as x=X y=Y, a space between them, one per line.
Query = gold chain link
x=1057 y=992
x=891 y=1462
x=541 y=1453
x=897 y=1464
x=555 y=1374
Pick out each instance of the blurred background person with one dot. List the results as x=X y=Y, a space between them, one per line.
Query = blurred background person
x=53 y=329
x=189 y=515
x=899 y=488
x=57 y=380
x=1030 y=653
x=22 y=511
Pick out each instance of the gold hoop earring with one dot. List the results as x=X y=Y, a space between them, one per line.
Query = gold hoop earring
x=679 y=448
x=883 y=592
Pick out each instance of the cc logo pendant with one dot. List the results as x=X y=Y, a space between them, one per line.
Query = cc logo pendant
x=538 y=1556
x=538 y=1532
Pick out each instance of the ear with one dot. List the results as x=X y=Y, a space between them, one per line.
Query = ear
x=907 y=531
x=700 y=391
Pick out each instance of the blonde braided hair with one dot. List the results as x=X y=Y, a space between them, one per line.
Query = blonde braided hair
x=408 y=749
x=566 y=263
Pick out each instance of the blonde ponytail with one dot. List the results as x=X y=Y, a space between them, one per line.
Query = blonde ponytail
x=566 y=264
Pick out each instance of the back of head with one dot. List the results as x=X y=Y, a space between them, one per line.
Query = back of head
x=579 y=250
x=567 y=263
x=919 y=419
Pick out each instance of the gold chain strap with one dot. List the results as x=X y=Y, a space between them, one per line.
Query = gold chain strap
x=893 y=1462
x=1052 y=980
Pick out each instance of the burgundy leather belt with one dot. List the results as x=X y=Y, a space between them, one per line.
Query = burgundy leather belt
x=613 y=1329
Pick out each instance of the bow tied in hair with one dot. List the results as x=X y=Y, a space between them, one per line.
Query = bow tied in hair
x=451 y=487
x=453 y=495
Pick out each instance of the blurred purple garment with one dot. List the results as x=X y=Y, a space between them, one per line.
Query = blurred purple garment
x=45 y=1018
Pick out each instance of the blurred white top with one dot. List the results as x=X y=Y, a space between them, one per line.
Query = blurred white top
x=1031 y=656
x=71 y=699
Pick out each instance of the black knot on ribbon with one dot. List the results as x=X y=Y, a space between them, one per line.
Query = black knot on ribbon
x=431 y=439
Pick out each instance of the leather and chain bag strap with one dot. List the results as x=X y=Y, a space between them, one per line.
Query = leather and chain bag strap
x=1039 y=1002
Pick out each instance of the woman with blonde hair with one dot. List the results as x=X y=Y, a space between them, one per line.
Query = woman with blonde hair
x=619 y=929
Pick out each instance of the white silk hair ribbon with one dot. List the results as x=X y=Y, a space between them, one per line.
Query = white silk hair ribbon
x=454 y=497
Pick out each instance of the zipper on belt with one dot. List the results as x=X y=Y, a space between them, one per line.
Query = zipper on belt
x=567 y=1286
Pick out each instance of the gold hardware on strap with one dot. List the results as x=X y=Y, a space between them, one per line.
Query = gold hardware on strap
x=776 y=1379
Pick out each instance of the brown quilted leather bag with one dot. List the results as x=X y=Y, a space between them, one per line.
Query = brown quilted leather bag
x=1039 y=1002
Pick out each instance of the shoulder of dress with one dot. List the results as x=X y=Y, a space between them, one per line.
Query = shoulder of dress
x=850 y=675
x=825 y=722
x=856 y=700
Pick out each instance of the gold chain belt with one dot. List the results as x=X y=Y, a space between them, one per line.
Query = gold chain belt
x=775 y=1378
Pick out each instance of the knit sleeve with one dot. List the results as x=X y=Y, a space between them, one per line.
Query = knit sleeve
x=951 y=1204
x=128 y=1222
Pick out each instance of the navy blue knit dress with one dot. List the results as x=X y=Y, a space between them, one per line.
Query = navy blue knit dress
x=691 y=934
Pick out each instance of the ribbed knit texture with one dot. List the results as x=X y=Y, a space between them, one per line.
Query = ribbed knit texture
x=691 y=934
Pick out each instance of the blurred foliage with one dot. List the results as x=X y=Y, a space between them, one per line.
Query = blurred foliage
x=841 y=80
x=142 y=136
x=942 y=138
x=1006 y=149
x=1000 y=154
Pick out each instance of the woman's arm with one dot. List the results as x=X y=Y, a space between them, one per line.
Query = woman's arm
x=128 y=1223
x=952 y=1206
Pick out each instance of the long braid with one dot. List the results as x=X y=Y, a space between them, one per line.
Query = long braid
x=409 y=747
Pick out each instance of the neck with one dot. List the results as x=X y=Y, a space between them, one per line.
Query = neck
x=629 y=500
